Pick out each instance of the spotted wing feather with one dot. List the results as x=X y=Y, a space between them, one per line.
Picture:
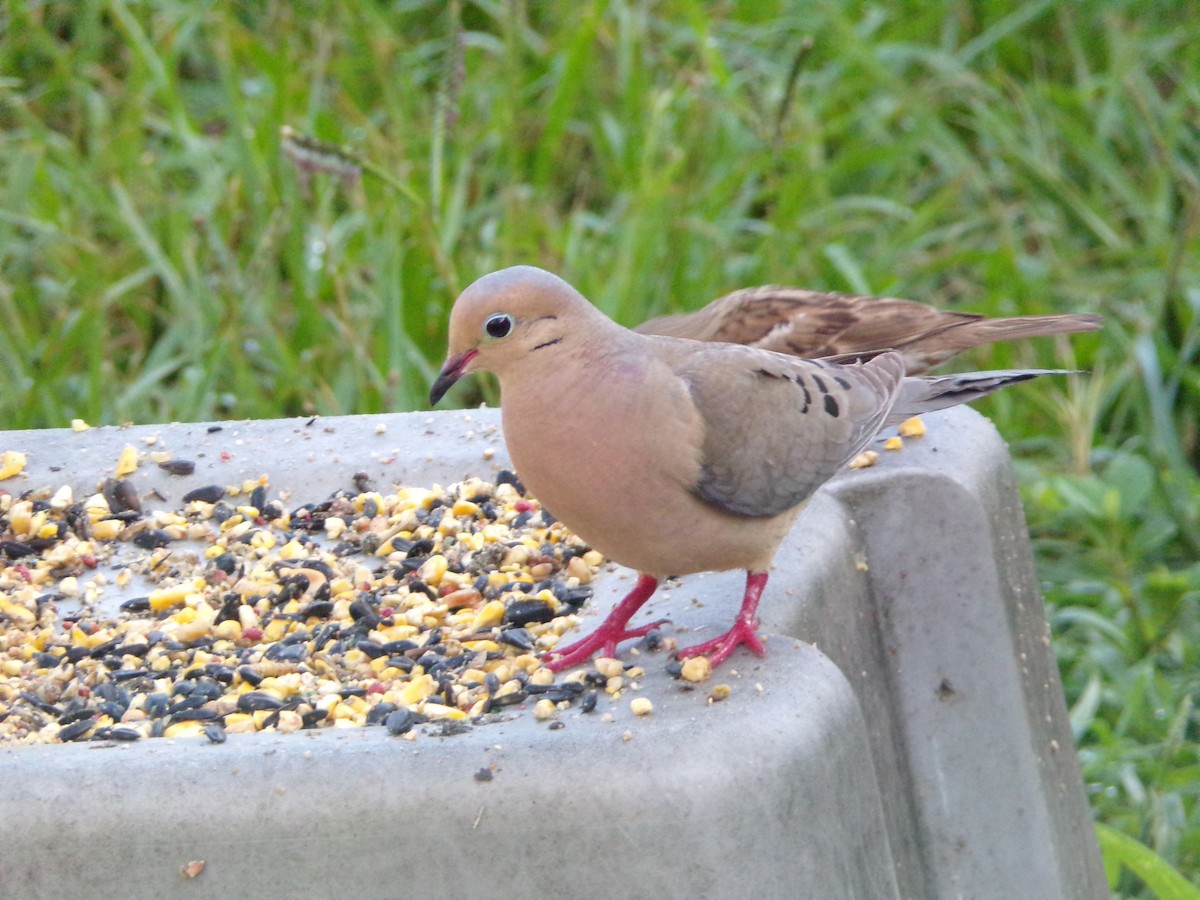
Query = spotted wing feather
x=777 y=428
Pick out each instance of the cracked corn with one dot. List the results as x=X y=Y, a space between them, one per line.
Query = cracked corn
x=432 y=603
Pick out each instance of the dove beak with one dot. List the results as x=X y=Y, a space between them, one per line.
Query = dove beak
x=453 y=369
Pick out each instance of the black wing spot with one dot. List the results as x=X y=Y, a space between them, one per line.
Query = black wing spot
x=807 y=395
x=831 y=405
x=842 y=382
x=820 y=384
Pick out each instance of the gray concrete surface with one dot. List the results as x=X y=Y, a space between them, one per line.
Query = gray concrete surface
x=906 y=736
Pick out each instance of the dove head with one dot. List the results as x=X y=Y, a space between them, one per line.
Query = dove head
x=508 y=318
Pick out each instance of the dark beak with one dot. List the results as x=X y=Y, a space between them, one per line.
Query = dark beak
x=452 y=370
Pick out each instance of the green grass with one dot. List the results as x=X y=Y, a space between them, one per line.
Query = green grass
x=161 y=259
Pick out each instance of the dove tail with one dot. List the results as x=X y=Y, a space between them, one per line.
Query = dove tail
x=923 y=395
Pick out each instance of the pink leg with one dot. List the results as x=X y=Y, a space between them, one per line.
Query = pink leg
x=719 y=648
x=611 y=631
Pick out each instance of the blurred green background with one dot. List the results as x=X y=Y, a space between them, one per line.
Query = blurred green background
x=166 y=255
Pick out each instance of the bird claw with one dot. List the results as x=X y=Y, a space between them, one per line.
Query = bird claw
x=720 y=648
x=605 y=638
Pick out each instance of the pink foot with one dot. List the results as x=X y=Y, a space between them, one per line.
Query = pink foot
x=720 y=648
x=610 y=632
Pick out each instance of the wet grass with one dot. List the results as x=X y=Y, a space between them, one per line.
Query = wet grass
x=161 y=258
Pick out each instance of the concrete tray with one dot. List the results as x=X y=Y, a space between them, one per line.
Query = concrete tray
x=905 y=737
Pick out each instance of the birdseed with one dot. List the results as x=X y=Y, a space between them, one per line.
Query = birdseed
x=368 y=608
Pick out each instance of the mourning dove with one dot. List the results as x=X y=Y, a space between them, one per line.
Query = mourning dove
x=668 y=455
x=815 y=324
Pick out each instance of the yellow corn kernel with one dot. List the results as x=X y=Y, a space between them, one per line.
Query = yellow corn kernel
x=165 y=598
x=17 y=613
x=511 y=686
x=20 y=517
x=641 y=706
x=416 y=690
x=340 y=586
x=433 y=569
x=293 y=549
x=440 y=711
x=12 y=463
x=696 y=668
x=490 y=614
x=106 y=529
x=239 y=723
x=81 y=639
x=127 y=462
x=913 y=427
x=465 y=508
x=276 y=630
x=262 y=540
x=281 y=685
x=184 y=729
x=895 y=442
x=414 y=498
x=354 y=706
x=864 y=460
x=397 y=632
x=234 y=527
x=527 y=662
x=260 y=717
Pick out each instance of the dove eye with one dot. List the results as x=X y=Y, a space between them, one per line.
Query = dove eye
x=498 y=325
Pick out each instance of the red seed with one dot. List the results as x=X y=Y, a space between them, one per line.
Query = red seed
x=88 y=561
x=253 y=633
x=376 y=687
x=522 y=506
x=386 y=612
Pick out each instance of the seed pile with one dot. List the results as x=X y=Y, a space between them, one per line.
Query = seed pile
x=367 y=608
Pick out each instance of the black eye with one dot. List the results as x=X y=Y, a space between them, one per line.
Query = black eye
x=498 y=325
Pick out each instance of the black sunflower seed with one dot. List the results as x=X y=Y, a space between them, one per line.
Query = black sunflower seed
x=210 y=493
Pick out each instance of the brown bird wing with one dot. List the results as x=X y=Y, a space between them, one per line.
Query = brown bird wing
x=814 y=324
